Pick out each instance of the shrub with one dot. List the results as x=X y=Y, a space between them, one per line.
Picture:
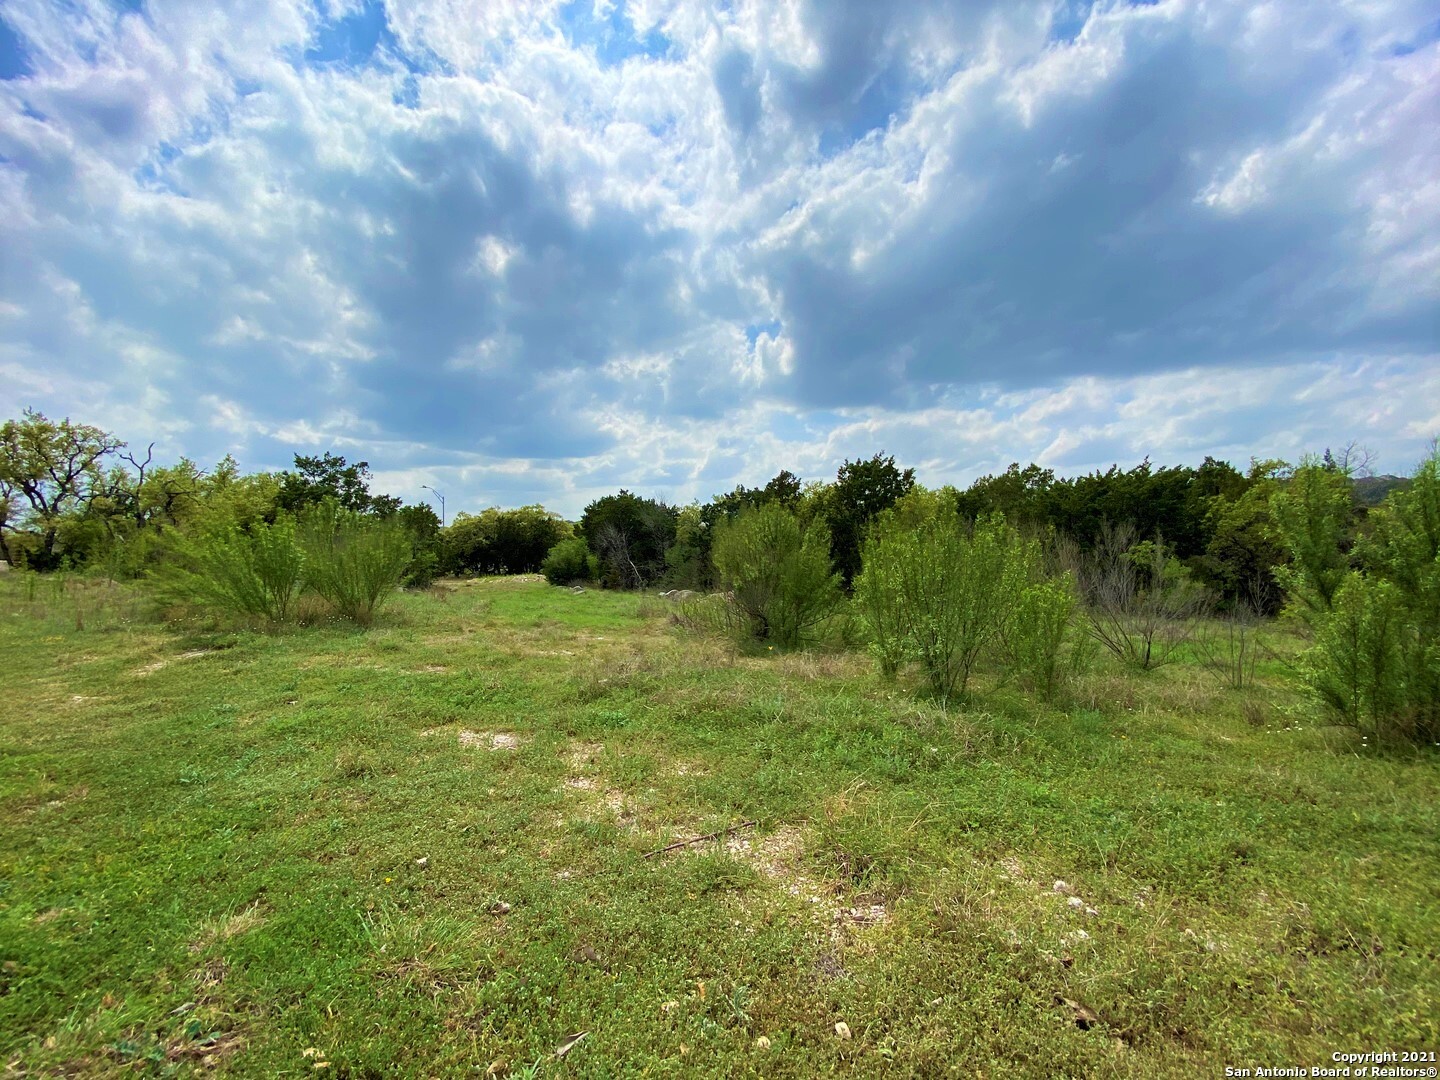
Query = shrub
x=255 y=574
x=570 y=560
x=1355 y=667
x=353 y=561
x=1232 y=650
x=779 y=575
x=939 y=592
x=1313 y=514
x=422 y=570
x=881 y=598
x=1376 y=659
x=1140 y=603
x=1032 y=637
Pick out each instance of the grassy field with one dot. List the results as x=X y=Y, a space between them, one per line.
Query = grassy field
x=421 y=850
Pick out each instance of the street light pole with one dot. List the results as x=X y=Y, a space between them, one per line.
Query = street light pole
x=437 y=494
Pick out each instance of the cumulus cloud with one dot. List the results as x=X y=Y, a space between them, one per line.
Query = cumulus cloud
x=538 y=250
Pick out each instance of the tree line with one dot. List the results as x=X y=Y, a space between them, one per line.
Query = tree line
x=1006 y=569
x=74 y=496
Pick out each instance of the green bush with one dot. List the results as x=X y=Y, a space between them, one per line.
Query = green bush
x=254 y=574
x=779 y=575
x=939 y=592
x=422 y=570
x=1313 y=514
x=1376 y=659
x=1032 y=638
x=352 y=560
x=570 y=560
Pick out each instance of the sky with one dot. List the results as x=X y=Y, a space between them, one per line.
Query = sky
x=536 y=251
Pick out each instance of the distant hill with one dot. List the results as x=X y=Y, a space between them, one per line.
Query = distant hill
x=1371 y=490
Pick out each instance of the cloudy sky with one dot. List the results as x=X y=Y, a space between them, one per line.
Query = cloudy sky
x=527 y=250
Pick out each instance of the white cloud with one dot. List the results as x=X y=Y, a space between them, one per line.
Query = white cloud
x=549 y=243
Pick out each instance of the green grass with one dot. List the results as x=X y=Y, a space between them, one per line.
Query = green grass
x=212 y=853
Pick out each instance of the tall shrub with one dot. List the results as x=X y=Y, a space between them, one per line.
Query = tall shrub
x=940 y=592
x=779 y=575
x=256 y=573
x=1376 y=659
x=1033 y=635
x=354 y=561
x=570 y=560
x=1313 y=513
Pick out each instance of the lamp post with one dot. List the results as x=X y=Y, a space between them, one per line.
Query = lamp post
x=437 y=494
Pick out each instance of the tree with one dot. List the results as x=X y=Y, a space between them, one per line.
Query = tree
x=497 y=541
x=862 y=490
x=422 y=525
x=1314 y=516
x=629 y=535
x=315 y=479
x=50 y=471
x=1024 y=496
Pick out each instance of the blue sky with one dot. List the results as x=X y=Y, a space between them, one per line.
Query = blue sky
x=524 y=250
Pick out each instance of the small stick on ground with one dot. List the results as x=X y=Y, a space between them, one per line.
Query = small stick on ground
x=702 y=839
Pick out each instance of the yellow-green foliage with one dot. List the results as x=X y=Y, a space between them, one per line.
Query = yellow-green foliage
x=938 y=591
x=353 y=561
x=779 y=575
x=256 y=574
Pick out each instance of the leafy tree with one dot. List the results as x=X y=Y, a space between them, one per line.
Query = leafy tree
x=1024 y=496
x=315 y=479
x=862 y=490
x=778 y=573
x=48 y=471
x=629 y=535
x=422 y=525
x=228 y=497
x=784 y=489
x=497 y=541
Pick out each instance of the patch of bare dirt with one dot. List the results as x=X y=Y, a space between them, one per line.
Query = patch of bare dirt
x=490 y=740
x=154 y=666
x=583 y=754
